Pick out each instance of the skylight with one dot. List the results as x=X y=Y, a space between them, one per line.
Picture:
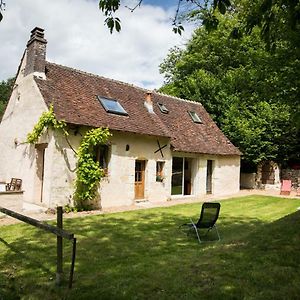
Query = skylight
x=195 y=117
x=112 y=106
x=162 y=108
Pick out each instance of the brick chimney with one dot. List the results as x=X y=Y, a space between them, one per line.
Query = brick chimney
x=148 y=102
x=36 y=53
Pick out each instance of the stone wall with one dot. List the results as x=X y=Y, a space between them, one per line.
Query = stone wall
x=293 y=175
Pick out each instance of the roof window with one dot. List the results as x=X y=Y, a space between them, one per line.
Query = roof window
x=162 y=108
x=112 y=106
x=195 y=117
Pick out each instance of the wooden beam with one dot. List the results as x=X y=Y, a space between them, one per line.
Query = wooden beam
x=39 y=224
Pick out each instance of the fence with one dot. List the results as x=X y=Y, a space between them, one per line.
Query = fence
x=59 y=232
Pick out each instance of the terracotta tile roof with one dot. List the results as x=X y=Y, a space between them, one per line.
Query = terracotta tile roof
x=74 y=93
x=188 y=136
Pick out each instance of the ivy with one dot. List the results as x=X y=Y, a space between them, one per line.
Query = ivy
x=88 y=172
x=46 y=120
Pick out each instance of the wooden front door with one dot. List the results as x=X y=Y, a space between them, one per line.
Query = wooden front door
x=40 y=168
x=139 y=184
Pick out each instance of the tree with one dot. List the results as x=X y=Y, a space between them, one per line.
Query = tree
x=279 y=20
x=250 y=92
x=188 y=8
x=264 y=14
x=5 y=91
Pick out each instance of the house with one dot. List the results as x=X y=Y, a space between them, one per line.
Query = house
x=161 y=147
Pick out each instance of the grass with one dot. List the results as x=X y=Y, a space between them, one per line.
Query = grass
x=143 y=255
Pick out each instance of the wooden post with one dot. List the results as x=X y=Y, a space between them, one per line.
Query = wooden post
x=72 y=264
x=58 y=231
x=59 y=269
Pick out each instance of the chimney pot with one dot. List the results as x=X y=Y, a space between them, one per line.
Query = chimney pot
x=148 y=103
x=149 y=97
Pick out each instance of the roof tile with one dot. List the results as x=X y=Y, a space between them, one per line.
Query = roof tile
x=74 y=93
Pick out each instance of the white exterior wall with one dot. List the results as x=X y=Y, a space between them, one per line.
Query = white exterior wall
x=118 y=187
x=60 y=166
x=226 y=175
x=22 y=113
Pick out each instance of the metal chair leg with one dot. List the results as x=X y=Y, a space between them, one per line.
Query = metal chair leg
x=194 y=226
x=219 y=238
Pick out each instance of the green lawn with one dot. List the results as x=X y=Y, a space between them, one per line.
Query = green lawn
x=143 y=255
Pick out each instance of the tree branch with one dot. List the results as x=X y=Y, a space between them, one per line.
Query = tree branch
x=2 y=5
x=134 y=8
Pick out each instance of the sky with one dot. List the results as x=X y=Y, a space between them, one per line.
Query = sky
x=77 y=38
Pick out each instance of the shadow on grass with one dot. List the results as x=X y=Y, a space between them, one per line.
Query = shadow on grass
x=143 y=255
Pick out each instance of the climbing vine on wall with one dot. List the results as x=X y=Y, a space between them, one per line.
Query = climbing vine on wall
x=46 y=120
x=88 y=172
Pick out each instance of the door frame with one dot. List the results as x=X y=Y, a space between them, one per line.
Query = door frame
x=209 y=176
x=191 y=161
x=40 y=172
x=139 y=194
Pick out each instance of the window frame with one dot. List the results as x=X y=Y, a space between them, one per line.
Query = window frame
x=102 y=157
x=120 y=109
x=195 y=117
x=160 y=174
x=163 y=109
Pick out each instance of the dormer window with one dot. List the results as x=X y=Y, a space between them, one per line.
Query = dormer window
x=162 y=108
x=112 y=106
x=195 y=117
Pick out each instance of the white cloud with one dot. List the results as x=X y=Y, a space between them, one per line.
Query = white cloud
x=77 y=38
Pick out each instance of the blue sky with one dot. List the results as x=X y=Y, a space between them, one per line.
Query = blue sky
x=78 y=38
x=163 y=3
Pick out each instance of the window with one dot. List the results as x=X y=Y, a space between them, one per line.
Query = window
x=101 y=155
x=112 y=106
x=162 y=108
x=182 y=176
x=160 y=171
x=195 y=117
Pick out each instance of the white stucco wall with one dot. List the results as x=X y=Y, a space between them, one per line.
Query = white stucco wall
x=23 y=111
x=61 y=167
x=226 y=175
x=118 y=187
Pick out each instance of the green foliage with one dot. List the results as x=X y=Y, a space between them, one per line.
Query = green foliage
x=265 y=131
x=5 y=91
x=47 y=120
x=88 y=170
x=251 y=93
x=277 y=20
x=108 y=7
x=205 y=10
x=69 y=208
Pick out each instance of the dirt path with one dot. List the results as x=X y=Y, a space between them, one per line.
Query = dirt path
x=37 y=213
